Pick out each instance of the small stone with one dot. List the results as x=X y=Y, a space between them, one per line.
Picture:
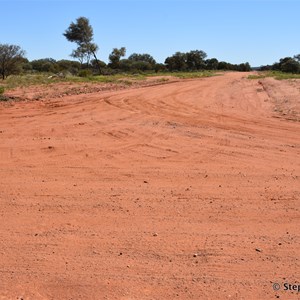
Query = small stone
x=258 y=250
x=145 y=181
x=195 y=255
x=155 y=234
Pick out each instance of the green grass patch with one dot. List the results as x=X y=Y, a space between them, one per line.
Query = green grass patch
x=190 y=75
x=282 y=75
x=2 y=97
x=27 y=80
x=257 y=76
x=44 y=79
x=117 y=78
x=275 y=74
x=186 y=75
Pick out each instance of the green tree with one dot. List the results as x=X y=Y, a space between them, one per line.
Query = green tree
x=125 y=65
x=245 y=67
x=223 y=65
x=68 y=66
x=195 y=60
x=26 y=65
x=81 y=33
x=176 y=62
x=11 y=59
x=159 y=68
x=115 y=57
x=141 y=66
x=135 y=66
x=82 y=54
x=290 y=66
x=212 y=64
x=45 y=65
x=191 y=61
x=147 y=58
x=95 y=64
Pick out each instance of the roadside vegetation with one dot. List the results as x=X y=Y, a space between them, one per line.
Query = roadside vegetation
x=287 y=65
x=16 y=70
x=26 y=80
x=279 y=75
x=2 y=96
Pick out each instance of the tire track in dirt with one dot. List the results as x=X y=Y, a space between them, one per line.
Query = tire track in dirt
x=188 y=190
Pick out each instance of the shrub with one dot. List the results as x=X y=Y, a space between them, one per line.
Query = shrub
x=85 y=73
x=2 y=97
x=290 y=66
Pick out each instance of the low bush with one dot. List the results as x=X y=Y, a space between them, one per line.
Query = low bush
x=2 y=97
x=85 y=73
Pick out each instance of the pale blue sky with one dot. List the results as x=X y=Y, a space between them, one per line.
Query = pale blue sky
x=257 y=31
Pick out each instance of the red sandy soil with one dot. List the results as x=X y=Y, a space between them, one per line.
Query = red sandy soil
x=186 y=190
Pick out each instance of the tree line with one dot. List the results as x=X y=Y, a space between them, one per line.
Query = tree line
x=80 y=32
x=287 y=64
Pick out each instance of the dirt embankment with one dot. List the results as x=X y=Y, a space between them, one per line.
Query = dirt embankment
x=188 y=190
x=60 y=89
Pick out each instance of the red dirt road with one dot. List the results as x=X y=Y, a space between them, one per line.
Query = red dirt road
x=187 y=190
